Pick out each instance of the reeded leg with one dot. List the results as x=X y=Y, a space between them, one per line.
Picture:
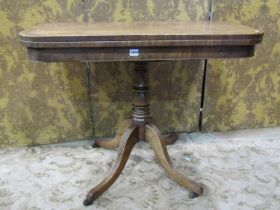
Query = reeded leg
x=129 y=139
x=141 y=127
x=114 y=142
x=169 y=138
x=155 y=139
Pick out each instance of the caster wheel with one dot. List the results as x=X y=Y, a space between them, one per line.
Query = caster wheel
x=94 y=145
x=193 y=195
x=87 y=202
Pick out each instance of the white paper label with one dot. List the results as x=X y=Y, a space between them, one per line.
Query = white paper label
x=133 y=52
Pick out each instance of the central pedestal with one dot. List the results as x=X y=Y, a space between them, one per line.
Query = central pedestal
x=140 y=128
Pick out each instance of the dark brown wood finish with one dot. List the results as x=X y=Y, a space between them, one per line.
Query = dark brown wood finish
x=139 y=42
x=111 y=143
x=129 y=139
x=223 y=32
x=154 y=41
x=141 y=128
x=145 y=54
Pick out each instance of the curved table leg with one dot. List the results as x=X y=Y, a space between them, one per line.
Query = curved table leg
x=155 y=139
x=129 y=139
x=111 y=143
x=169 y=138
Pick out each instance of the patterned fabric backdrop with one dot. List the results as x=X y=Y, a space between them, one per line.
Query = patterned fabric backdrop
x=47 y=103
x=245 y=93
x=39 y=103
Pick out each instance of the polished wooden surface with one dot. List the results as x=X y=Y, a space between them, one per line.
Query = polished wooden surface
x=175 y=40
x=139 y=42
x=190 y=32
x=112 y=143
x=155 y=139
x=158 y=145
x=140 y=128
x=145 y=54
x=129 y=139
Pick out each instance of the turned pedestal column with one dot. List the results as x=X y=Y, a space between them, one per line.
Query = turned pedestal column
x=141 y=127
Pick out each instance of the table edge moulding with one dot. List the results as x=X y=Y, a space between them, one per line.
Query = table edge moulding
x=140 y=43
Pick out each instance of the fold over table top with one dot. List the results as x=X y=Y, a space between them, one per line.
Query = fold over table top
x=148 y=40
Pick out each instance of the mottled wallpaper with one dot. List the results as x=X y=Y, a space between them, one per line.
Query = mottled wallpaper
x=39 y=103
x=245 y=93
x=57 y=102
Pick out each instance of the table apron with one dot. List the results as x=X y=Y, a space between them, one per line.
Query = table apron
x=143 y=53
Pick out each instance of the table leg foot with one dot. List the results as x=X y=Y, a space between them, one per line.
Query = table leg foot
x=155 y=139
x=111 y=143
x=128 y=140
x=87 y=202
x=95 y=145
x=193 y=195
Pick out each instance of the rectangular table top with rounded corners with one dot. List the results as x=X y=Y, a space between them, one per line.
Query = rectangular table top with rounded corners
x=139 y=41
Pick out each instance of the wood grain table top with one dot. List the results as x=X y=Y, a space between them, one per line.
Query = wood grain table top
x=149 y=36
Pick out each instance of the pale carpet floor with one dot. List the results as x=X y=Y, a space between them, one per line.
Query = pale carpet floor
x=239 y=170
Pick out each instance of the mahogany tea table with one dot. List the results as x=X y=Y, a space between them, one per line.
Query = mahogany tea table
x=140 y=43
